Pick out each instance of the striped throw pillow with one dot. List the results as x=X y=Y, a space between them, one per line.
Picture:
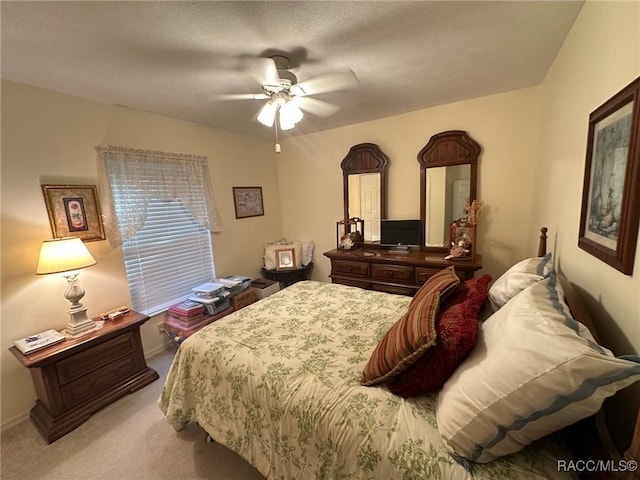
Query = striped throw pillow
x=412 y=334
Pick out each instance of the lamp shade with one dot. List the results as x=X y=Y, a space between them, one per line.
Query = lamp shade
x=62 y=255
x=267 y=114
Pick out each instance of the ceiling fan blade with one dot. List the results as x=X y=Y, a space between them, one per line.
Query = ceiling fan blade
x=317 y=107
x=263 y=70
x=237 y=96
x=329 y=82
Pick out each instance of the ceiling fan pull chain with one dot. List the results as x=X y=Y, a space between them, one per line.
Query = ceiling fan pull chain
x=275 y=125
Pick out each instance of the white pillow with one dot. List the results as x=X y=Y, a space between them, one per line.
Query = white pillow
x=517 y=278
x=303 y=252
x=534 y=370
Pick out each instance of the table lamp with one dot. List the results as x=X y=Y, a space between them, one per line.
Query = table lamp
x=67 y=256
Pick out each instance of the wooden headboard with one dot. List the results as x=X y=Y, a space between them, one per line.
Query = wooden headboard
x=590 y=438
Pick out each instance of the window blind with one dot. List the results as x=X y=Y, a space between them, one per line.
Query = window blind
x=167 y=257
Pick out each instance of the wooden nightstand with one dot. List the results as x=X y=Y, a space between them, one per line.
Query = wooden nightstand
x=79 y=376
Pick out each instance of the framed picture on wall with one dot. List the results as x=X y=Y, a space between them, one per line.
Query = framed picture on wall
x=248 y=201
x=610 y=215
x=74 y=211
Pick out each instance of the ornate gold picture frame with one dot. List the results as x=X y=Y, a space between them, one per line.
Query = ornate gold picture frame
x=74 y=211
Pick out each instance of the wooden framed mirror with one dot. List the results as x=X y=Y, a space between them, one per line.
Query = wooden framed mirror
x=448 y=176
x=364 y=173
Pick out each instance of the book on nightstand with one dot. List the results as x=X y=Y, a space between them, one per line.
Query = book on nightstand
x=36 y=342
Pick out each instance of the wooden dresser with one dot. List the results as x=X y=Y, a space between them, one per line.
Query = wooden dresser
x=79 y=376
x=385 y=271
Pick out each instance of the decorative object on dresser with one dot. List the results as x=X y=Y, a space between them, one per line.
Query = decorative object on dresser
x=364 y=178
x=67 y=256
x=448 y=179
x=386 y=271
x=610 y=216
x=462 y=233
x=79 y=376
x=74 y=211
x=349 y=233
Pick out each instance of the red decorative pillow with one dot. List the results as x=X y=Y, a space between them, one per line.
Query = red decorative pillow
x=413 y=333
x=473 y=291
x=457 y=331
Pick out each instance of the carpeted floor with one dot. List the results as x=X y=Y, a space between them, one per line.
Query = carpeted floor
x=130 y=439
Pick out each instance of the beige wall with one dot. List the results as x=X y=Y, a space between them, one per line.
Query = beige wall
x=49 y=138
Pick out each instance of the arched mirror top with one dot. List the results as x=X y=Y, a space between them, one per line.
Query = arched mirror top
x=364 y=173
x=453 y=147
x=364 y=158
x=448 y=177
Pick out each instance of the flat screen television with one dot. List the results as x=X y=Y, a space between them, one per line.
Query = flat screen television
x=400 y=234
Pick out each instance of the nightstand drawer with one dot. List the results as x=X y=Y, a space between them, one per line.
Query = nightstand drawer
x=350 y=268
x=94 y=358
x=91 y=385
x=396 y=273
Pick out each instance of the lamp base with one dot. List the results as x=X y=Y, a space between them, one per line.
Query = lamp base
x=79 y=322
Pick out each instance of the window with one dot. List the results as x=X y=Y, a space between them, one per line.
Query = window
x=160 y=208
x=167 y=257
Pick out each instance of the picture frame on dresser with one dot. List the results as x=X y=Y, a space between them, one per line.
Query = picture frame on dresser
x=74 y=211
x=609 y=219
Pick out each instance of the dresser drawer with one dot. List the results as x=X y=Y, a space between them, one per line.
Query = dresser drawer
x=423 y=274
x=380 y=287
x=94 y=358
x=395 y=273
x=97 y=382
x=347 y=267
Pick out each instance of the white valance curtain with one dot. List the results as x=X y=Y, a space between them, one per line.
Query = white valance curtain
x=129 y=178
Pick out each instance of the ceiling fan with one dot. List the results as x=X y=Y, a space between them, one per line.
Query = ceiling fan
x=286 y=97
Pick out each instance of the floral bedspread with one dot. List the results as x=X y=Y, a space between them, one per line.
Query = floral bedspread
x=278 y=382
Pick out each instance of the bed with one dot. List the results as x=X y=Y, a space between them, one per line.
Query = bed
x=280 y=382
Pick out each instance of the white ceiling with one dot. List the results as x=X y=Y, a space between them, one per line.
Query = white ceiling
x=169 y=57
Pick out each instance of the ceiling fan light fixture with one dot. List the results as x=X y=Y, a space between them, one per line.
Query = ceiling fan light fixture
x=290 y=114
x=267 y=114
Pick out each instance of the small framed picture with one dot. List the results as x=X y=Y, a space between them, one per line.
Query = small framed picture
x=74 y=211
x=285 y=259
x=248 y=201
